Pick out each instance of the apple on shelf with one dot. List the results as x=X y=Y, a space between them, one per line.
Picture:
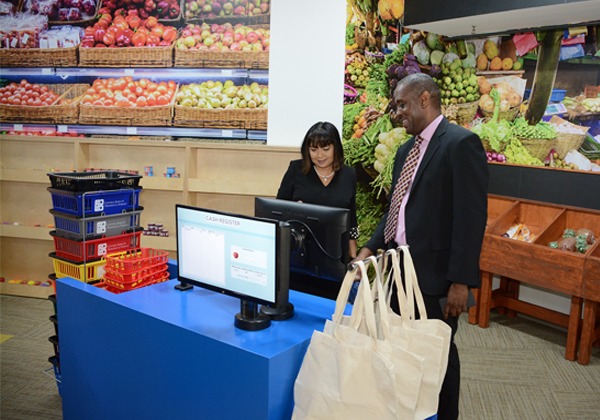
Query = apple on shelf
x=223 y=37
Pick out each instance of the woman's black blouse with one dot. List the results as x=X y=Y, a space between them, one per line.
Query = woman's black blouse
x=340 y=192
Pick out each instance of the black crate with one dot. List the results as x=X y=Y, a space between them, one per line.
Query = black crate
x=93 y=181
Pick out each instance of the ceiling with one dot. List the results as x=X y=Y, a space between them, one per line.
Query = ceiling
x=548 y=16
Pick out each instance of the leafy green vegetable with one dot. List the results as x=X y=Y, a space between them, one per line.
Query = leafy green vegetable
x=369 y=210
x=350 y=112
x=350 y=34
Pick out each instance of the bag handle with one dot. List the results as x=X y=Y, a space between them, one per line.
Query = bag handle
x=373 y=293
x=406 y=310
x=413 y=291
x=363 y=304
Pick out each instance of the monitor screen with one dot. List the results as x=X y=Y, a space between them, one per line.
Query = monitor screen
x=227 y=253
x=320 y=235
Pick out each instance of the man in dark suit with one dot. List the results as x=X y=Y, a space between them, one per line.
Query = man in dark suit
x=438 y=207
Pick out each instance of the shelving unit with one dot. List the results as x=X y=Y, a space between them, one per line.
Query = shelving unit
x=225 y=176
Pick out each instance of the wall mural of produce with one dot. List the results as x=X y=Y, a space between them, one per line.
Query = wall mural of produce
x=136 y=34
x=482 y=88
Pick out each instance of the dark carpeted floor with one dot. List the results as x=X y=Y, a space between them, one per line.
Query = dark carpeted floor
x=513 y=370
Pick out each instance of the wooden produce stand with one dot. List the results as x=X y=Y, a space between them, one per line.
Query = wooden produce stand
x=590 y=329
x=537 y=264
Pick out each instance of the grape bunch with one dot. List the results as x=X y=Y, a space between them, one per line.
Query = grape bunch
x=541 y=130
x=357 y=70
x=457 y=85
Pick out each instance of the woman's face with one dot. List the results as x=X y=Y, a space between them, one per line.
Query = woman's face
x=322 y=156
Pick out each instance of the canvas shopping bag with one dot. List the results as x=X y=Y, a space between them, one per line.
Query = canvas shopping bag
x=429 y=338
x=348 y=374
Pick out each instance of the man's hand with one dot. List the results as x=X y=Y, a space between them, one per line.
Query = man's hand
x=362 y=255
x=457 y=300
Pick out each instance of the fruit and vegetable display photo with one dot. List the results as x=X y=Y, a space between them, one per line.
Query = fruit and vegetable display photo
x=485 y=85
x=129 y=34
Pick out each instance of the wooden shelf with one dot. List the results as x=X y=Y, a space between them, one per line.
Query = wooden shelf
x=162 y=183
x=25 y=232
x=222 y=176
x=24 y=175
x=167 y=243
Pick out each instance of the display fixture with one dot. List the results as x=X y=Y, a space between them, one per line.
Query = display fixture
x=520 y=245
x=221 y=175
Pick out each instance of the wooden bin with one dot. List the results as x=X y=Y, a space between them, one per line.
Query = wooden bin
x=225 y=59
x=39 y=57
x=126 y=57
x=249 y=119
x=114 y=115
x=497 y=206
x=590 y=328
x=244 y=20
x=53 y=114
x=518 y=259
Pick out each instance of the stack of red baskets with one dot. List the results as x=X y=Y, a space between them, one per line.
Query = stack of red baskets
x=135 y=268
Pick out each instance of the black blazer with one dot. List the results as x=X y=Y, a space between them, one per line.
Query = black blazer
x=446 y=211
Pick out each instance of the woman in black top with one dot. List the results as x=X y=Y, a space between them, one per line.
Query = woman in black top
x=321 y=177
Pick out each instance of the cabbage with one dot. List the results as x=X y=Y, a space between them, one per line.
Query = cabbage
x=450 y=57
x=469 y=61
x=434 y=42
x=422 y=52
x=436 y=57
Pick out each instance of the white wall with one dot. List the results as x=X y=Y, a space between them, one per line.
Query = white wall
x=306 y=67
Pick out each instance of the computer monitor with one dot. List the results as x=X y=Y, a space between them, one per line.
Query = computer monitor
x=237 y=255
x=320 y=235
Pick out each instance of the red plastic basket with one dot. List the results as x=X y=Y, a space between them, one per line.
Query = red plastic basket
x=144 y=277
x=137 y=259
x=80 y=250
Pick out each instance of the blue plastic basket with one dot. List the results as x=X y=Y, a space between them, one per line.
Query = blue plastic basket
x=97 y=226
x=57 y=375
x=94 y=203
x=557 y=95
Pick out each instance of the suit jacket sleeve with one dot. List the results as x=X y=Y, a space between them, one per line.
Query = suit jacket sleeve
x=469 y=202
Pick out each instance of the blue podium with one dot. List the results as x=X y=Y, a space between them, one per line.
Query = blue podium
x=159 y=353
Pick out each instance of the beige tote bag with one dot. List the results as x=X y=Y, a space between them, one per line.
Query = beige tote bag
x=429 y=338
x=352 y=374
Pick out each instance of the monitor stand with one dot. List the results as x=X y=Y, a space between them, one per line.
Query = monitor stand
x=183 y=286
x=249 y=318
x=280 y=312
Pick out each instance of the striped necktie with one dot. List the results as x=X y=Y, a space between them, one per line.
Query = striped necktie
x=400 y=190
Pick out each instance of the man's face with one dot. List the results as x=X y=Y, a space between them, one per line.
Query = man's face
x=407 y=111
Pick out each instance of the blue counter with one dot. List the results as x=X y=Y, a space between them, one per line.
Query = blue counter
x=158 y=353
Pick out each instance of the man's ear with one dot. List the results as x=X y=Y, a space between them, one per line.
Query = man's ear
x=425 y=99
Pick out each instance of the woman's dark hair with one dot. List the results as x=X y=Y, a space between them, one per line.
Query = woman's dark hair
x=322 y=134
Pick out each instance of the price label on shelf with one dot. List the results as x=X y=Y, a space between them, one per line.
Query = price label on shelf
x=227 y=133
x=46 y=71
x=227 y=72
x=131 y=130
x=129 y=72
x=61 y=128
x=18 y=127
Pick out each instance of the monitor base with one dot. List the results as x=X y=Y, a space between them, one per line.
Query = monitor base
x=278 y=313
x=249 y=319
